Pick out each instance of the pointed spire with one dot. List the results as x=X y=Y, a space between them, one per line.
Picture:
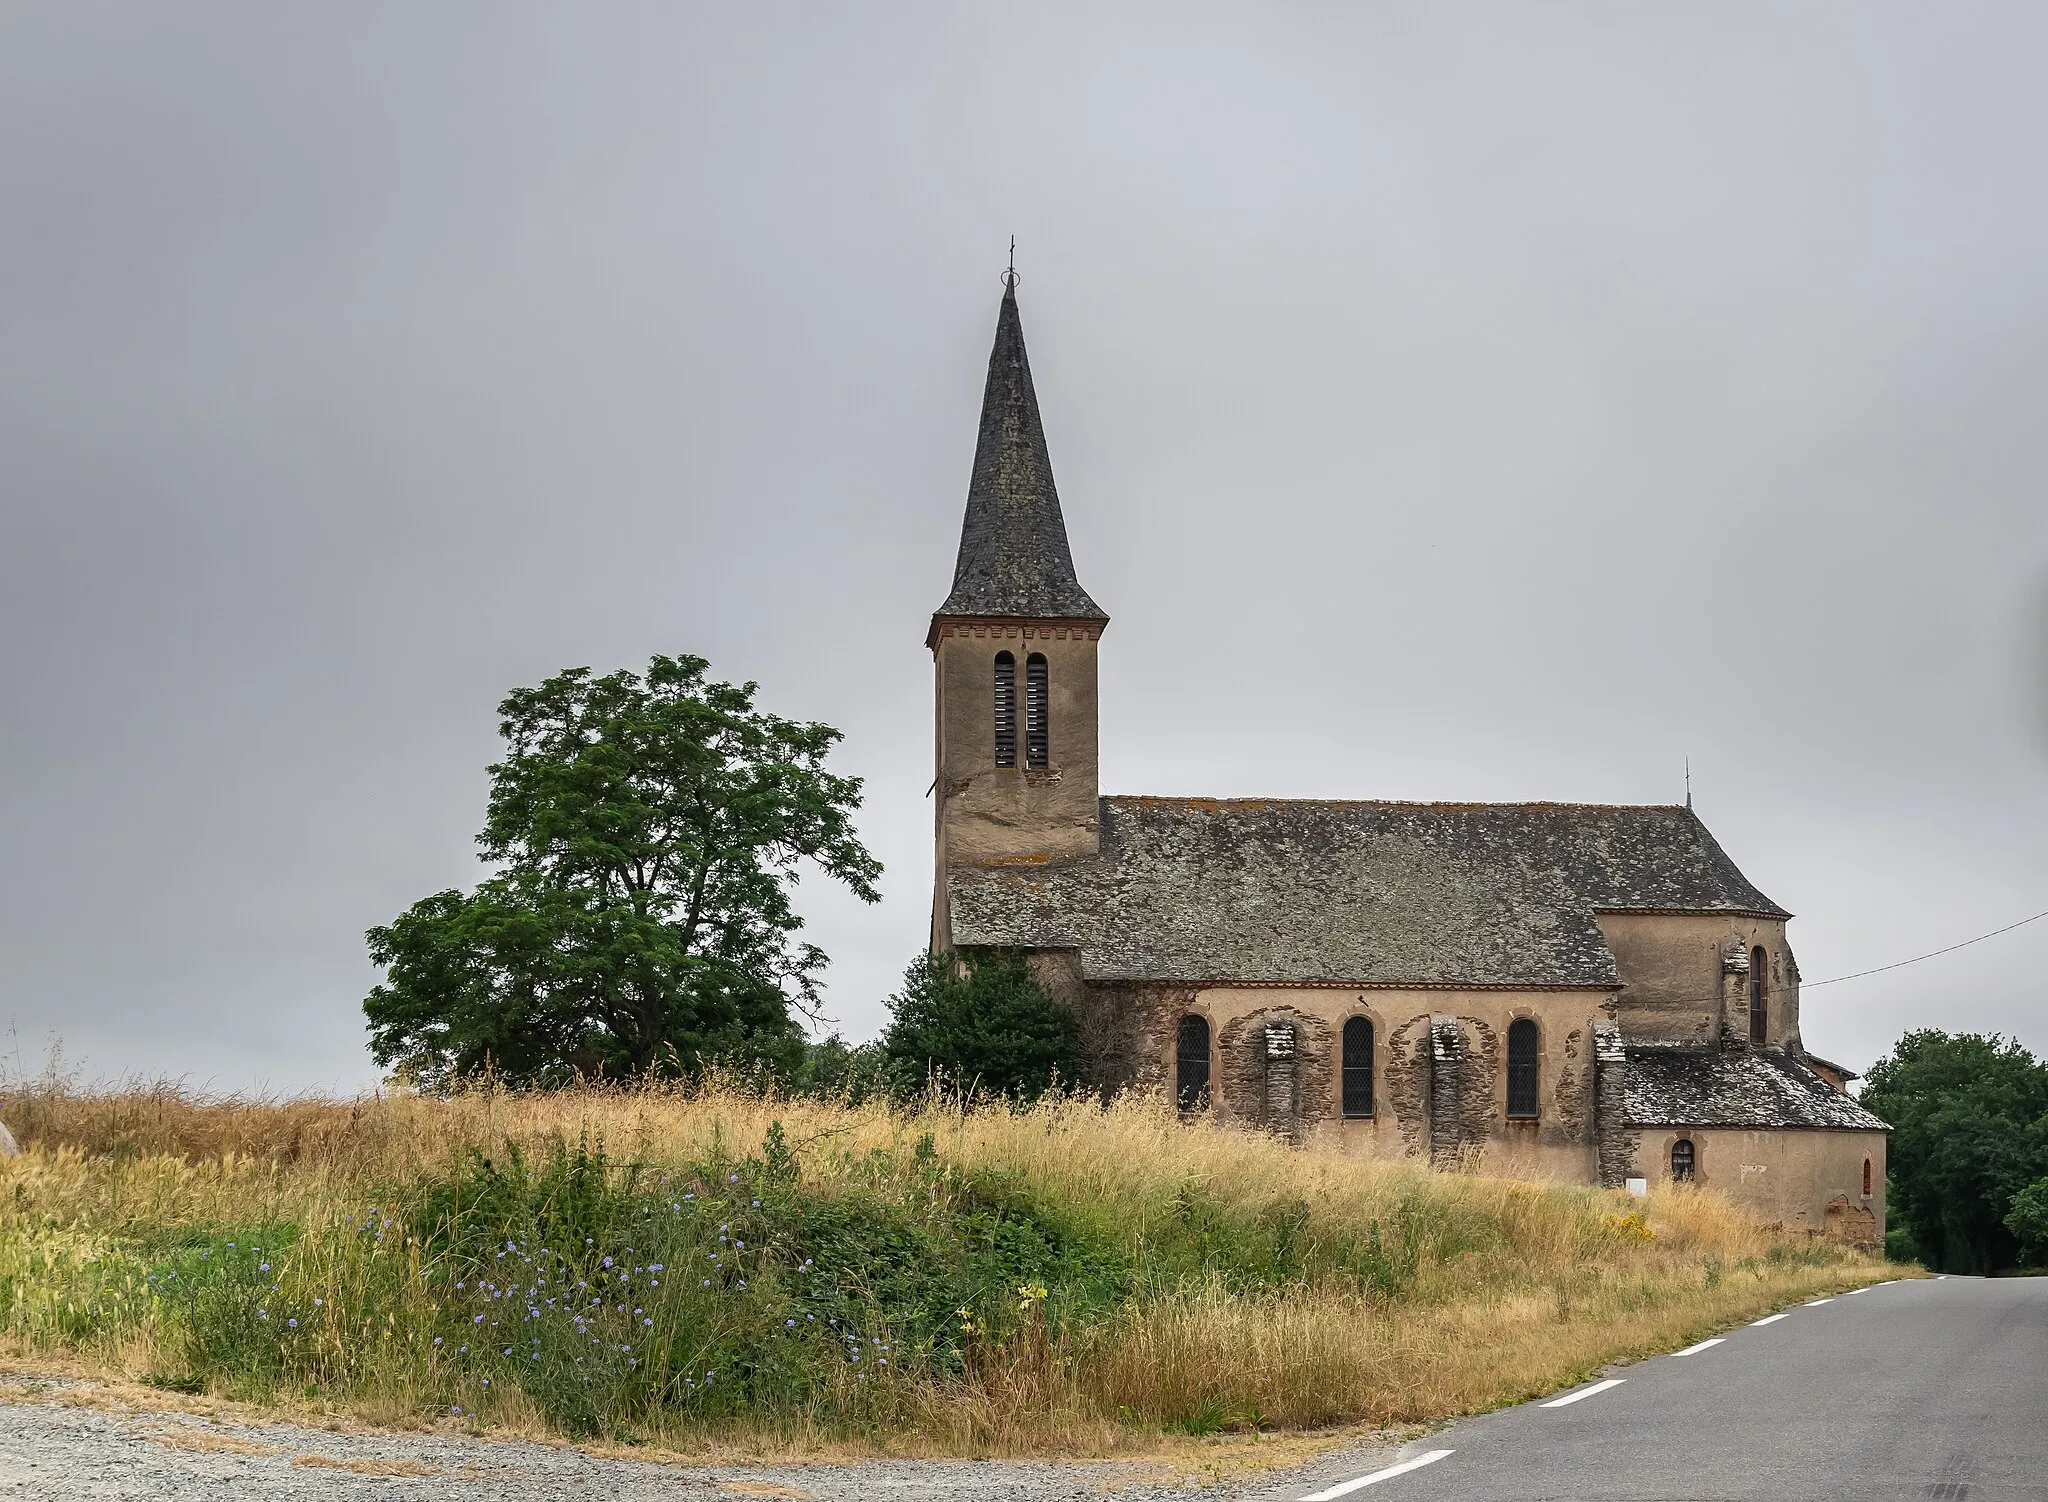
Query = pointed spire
x=1014 y=559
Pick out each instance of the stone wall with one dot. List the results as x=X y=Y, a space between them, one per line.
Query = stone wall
x=1439 y=1092
x=1614 y=1145
x=994 y=815
x=1439 y=1089
x=1274 y=1069
x=1685 y=977
x=1796 y=1178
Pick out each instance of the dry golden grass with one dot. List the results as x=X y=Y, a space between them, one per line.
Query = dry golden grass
x=367 y=1466
x=1568 y=1280
x=209 y=1442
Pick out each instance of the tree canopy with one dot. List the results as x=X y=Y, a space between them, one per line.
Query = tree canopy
x=1969 y=1118
x=977 y=1018
x=648 y=833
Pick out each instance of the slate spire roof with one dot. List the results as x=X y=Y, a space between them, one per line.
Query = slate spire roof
x=1014 y=559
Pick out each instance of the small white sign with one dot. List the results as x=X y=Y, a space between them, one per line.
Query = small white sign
x=1640 y=1188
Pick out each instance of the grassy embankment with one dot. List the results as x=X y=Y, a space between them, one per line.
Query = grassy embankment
x=676 y=1269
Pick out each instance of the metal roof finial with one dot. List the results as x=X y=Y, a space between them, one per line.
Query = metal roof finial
x=1010 y=277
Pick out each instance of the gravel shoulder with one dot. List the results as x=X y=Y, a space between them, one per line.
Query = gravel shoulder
x=63 y=1438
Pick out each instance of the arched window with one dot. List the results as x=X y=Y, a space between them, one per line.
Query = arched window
x=1358 y=1067
x=1759 y=997
x=1191 y=1064
x=1866 y=1178
x=1522 y=1044
x=1037 y=713
x=1682 y=1161
x=1006 y=710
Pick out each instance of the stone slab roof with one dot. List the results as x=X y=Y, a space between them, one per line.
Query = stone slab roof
x=1014 y=559
x=1842 y=1070
x=1699 y=1087
x=1267 y=891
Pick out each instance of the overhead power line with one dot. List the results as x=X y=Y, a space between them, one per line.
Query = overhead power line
x=1951 y=949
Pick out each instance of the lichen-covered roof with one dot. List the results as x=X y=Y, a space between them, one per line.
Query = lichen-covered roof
x=1014 y=559
x=1268 y=891
x=1705 y=1087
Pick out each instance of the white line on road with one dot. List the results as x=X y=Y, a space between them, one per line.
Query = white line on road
x=1345 y=1488
x=1862 y=1290
x=1695 y=1350
x=1816 y=1303
x=1584 y=1392
x=1771 y=1319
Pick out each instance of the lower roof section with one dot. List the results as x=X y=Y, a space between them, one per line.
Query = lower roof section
x=1705 y=1087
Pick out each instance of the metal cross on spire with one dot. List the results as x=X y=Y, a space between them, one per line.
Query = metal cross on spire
x=1010 y=277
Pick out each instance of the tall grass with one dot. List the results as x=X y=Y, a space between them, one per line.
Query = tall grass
x=673 y=1265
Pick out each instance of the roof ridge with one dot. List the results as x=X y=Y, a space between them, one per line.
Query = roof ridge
x=1255 y=801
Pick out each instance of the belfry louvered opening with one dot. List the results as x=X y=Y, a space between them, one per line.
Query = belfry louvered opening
x=1037 y=713
x=1759 y=997
x=1006 y=710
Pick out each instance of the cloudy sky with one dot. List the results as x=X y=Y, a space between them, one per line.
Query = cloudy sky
x=1448 y=402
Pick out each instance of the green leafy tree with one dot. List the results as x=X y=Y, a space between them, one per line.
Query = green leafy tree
x=648 y=833
x=2027 y=1219
x=833 y=1069
x=1969 y=1117
x=979 y=1019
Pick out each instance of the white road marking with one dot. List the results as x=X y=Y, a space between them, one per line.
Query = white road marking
x=1345 y=1488
x=1771 y=1319
x=1862 y=1290
x=1695 y=1350
x=1584 y=1392
x=1816 y=1303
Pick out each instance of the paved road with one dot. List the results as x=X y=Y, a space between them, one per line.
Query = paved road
x=1924 y=1390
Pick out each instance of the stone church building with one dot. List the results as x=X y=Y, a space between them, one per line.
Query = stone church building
x=1549 y=990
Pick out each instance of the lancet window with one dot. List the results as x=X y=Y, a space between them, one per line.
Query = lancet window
x=1191 y=1063
x=1358 y=1067
x=1522 y=1085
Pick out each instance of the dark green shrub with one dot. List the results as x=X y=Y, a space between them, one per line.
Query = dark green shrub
x=979 y=1021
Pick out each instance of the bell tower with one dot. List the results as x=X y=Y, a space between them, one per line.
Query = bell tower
x=1014 y=652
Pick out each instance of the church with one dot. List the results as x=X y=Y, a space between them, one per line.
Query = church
x=1545 y=990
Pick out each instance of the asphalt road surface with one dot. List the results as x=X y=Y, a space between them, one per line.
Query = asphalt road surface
x=1924 y=1389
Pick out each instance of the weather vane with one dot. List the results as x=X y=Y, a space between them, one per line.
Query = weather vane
x=1010 y=277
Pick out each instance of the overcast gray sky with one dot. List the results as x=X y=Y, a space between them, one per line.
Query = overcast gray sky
x=1448 y=402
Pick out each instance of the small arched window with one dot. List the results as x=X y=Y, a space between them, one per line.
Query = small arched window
x=1759 y=997
x=1037 y=713
x=1866 y=1178
x=1683 y=1159
x=1358 y=1067
x=1522 y=1047
x=1006 y=710
x=1191 y=1063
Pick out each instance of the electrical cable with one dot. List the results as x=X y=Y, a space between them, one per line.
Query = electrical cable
x=1835 y=979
